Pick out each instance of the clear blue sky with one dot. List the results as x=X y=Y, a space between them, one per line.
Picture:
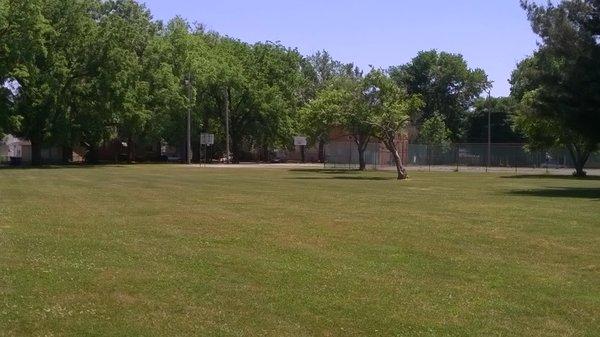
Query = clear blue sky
x=491 y=34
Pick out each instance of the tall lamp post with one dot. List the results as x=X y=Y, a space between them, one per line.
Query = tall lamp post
x=188 y=83
x=489 y=129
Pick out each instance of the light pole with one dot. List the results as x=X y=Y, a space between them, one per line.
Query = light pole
x=188 y=83
x=489 y=140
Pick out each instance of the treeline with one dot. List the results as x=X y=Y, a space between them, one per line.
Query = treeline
x=83 y=72
x=79 y=73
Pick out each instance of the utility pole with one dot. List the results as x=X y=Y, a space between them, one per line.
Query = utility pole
x=188 y=82
x=227 y=138
x=489 y=142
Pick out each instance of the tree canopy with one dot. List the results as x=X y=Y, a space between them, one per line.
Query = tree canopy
x=558 y=88
x=85 y=72
x=501 y=111
x=446 y=84
x=88 y=74
x=392 y=109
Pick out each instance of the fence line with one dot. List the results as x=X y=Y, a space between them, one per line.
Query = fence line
x=344 y=155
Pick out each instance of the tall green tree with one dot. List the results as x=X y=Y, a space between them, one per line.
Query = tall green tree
x=558 y=88
x=259 y=87
x=435 y=132
x=53 y=69
x=322 y=114
x=391 y=111
x=501 y=110
x=342 y=104
x=446 y=83
x=125 y=30
x=23 y=32
x=320 y=71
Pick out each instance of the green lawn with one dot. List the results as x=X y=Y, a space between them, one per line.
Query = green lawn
x=169 y=250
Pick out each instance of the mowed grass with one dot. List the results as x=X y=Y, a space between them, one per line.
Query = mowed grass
x=168 y=250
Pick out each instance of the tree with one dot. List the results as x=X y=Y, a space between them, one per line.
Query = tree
x=317 y=117
x=342 y=104
x=324 y=67
x=276 y=84
x=391 y=110
x=447 y=85
x=320 y=69
x=125 y=29
x=23 y=31
x=50 y=76
x=435 y=132
x=501 y=110
x=558 y=88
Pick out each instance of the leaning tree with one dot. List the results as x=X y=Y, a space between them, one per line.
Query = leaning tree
x=391 y=110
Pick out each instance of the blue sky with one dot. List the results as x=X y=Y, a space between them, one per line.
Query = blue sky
x=491 y=34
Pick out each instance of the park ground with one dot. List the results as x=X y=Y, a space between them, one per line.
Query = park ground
x=161 y=250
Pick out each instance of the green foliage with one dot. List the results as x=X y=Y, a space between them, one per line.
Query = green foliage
x=331 y=93
x=558 y=88
x=340 y=104
x=53 y=68
x=435 y=132
x=371 y=106
x=502 y=111
x=391 y=110
x=88 y=72
x=91 y=71
x=446 y=84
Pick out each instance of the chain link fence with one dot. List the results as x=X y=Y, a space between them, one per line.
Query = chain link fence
x=344 y=155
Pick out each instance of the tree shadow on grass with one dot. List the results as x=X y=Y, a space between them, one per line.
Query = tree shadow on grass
x=343 y=178
x=337 y=174
x=563 y=192
x=550 y=176
x=326 y=171
x=58 y=167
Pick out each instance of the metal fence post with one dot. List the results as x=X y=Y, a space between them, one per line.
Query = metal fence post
x=516 y=159
x=428 y=156
x=349 y=156
x=457 y=149
x=488 y=159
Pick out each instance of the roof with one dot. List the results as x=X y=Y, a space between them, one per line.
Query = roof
x=12 y=140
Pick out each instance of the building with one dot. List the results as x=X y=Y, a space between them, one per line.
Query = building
x=15 y=150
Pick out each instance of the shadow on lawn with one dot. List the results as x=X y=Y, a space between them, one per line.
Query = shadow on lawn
x=326 y=171
x=343 y=178
x=550 y=176
x=563 y=192
x=337 y=175
x=57 y=167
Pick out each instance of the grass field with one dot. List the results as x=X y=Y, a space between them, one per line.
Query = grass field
x=168 y=250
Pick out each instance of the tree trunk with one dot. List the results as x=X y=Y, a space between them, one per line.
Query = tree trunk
x=235 y=151
x=116 y=149
x=226 y=113
x=580 y=158
x=391 y=146
x=67 y=154
x=206 y=128
x=362 y=142
x=36 y=151
x=130 y=150
x=362 y=163
x=91 y=157
x=321 y=151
